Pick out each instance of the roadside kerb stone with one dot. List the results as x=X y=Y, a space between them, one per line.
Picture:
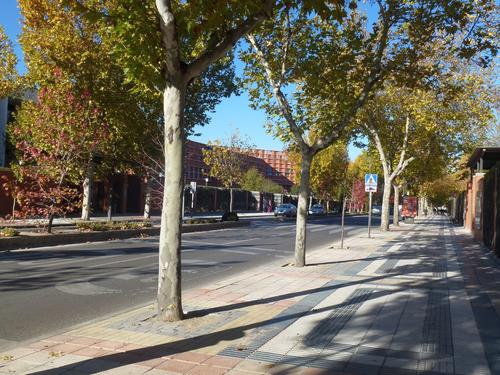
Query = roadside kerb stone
x=20 y=242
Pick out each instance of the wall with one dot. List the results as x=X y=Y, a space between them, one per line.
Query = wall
x=474 y=207
x=491 y=211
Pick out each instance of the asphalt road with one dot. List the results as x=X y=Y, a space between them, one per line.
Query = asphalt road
x=48 y=290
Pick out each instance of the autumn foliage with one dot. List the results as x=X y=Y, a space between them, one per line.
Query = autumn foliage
x=54 y=139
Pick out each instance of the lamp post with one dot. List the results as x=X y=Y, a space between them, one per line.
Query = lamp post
x=206 y=181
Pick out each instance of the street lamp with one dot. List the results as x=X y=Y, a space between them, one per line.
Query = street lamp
x=206 y=181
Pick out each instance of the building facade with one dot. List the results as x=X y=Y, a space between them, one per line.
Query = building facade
x=274 y=165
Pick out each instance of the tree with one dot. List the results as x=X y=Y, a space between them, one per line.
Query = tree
x=439 y=192
x=166 y=48
x=440 y=123
x=8 y=60
x=53 y=137
x=56 y=37
x=312 y=68
x=328 y=171
x=253 y=180
x=226 y=162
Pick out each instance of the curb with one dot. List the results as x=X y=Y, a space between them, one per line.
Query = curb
x=13 y=243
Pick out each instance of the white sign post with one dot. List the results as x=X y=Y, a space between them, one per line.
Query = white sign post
x=193 y=192
x=370 y=187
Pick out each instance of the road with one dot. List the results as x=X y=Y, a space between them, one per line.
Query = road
x=47 y=290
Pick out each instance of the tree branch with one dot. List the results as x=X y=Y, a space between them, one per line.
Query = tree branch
x=403 y=149
x=370 y=127
x=286 y=44
x=170 y=39
x=375 y=75
x=283 y=104
x=210 y=55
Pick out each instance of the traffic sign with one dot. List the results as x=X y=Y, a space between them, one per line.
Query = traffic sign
x=371 y=180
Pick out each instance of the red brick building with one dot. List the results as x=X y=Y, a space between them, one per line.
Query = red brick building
x=274 y=165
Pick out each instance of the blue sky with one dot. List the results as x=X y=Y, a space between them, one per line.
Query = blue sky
x=231 y=114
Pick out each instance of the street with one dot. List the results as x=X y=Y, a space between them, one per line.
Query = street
x=47 y=290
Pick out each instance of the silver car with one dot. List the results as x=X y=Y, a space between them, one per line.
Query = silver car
x=317 y=209
x=285 y=209
x=376 y=210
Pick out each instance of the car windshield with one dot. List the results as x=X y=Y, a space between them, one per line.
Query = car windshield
x=317 y=206
x=282 y=206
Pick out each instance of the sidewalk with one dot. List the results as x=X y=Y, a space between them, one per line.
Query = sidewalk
x=422 y=299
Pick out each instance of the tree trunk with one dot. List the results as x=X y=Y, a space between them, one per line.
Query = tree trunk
x=230 y=199
x=110 y=201
x=50 y=222
x=384 y=218
x=87 y=190
x=395 y=214
x=147 y=199
x=300 y=237
x=169 y=271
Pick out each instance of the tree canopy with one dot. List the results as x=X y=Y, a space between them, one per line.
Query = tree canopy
x=8 y=72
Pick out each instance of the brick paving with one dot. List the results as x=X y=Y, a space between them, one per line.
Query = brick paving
x=421 y=299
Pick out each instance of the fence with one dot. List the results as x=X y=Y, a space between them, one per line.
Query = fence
x=208 y=198
x=491 y=209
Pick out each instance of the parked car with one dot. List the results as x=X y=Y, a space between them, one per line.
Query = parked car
x=286 y=209
x=376 y=210
x=317 y=209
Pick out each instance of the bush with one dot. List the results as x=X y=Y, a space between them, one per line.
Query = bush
x=230 y=216
x=96 y=226
x=201 y=221
x=8 y=232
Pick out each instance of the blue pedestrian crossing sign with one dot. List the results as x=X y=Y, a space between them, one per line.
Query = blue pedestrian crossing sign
x=371 y=182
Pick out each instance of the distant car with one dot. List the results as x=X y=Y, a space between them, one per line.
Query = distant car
x=376 y=210
x=286 y=209
x=317 y=209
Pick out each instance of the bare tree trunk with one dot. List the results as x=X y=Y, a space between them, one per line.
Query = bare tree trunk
x=110 y=201
x=395 y=214
x=147 y=199
x=169 y=272
x=300 y=237
x=230 y=199
x=87 y=190
x=384 y=218
x=14 y=201
x=50 y=222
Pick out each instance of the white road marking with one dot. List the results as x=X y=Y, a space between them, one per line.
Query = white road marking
x=41 y=274
x=85 y=289
x=238 y=252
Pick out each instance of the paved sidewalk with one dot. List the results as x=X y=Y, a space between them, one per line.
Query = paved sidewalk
x=422 y=299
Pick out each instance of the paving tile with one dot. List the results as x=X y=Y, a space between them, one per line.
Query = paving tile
x=222 y=361
x=18 y=367
x=65 y=348
x=38 y=357
x=89 y=352
x=177 y=367
x=157 y=371
x=126 y=370
x=18 y=353
x=87 y=341
x=193 y=357
x=41 y=345
x=109 y=345
x=253 y=366
x=208 y=370
x=97 y=365
x=152 y=363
